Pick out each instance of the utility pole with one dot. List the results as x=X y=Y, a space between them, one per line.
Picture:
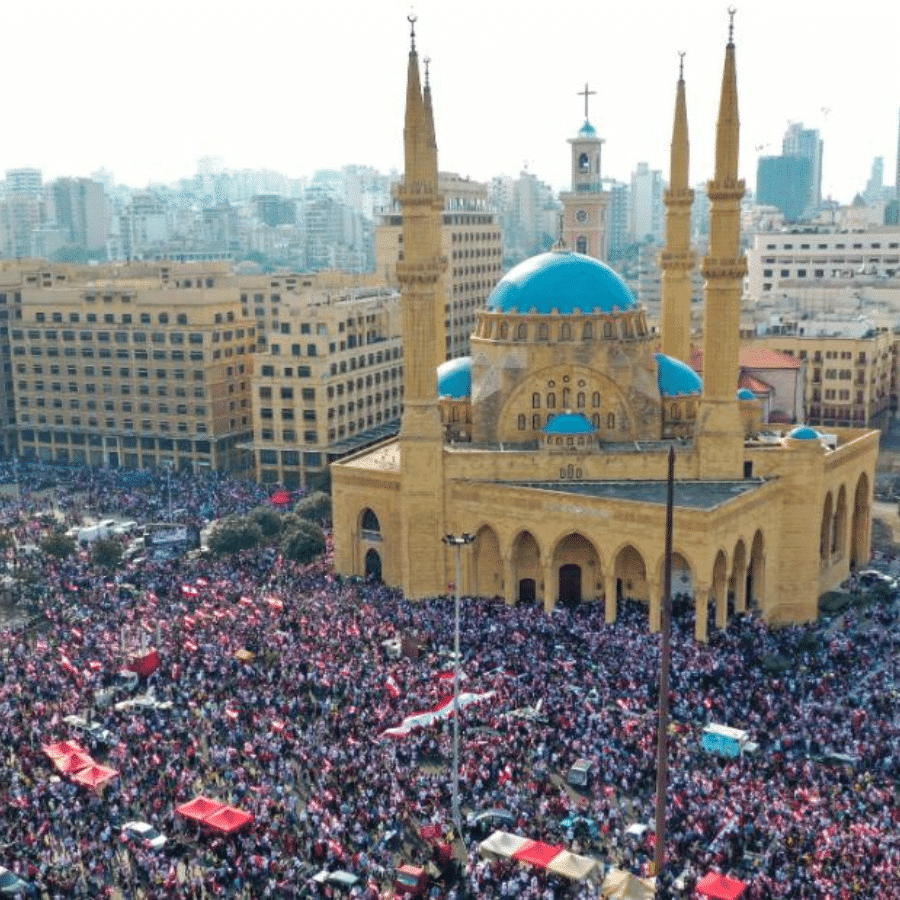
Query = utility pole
x=457 y=541
x=665 y=663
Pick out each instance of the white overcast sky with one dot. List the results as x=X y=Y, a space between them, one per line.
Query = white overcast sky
x=146 y=89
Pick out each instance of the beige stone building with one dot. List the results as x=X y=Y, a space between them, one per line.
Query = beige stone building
x=850 y=367
x=136 y=366
x=472 y=241
x=548 y=445
x=329 y=371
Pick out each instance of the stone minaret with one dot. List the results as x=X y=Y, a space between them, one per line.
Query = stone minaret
x=678 y=260
x=419 y=274
x=719 y=435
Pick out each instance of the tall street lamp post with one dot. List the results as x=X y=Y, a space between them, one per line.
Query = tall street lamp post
x=457 y=541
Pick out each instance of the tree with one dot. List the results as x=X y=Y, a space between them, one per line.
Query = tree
x=304 y=543
x=268 y=520
x=233 y=534
x=314 y=507
x=59 y=545
x=106 y=553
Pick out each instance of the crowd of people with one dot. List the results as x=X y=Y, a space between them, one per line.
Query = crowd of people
x=292 y=730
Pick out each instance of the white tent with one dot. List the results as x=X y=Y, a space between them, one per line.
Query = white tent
x=572 y=866
x=502 y=844
x=622 y=885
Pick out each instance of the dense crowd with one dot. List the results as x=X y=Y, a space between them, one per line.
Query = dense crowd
x=295 y=734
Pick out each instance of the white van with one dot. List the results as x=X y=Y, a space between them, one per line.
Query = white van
x=91 y=533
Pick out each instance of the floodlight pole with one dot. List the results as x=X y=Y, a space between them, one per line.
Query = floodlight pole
x=665 y=664
x=457 y=541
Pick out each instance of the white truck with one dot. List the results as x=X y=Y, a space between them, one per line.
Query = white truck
x=91 y=533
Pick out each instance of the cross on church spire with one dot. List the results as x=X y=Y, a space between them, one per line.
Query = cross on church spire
x=585 y=93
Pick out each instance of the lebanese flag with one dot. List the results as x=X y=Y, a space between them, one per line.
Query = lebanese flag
x=442 y=711
x=392 y=687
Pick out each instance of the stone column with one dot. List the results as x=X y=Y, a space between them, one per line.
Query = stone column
x=740 y=588
x=701 y=611
x=655 y=588
x=549 y=586
x=609 y=583
x=509 y=585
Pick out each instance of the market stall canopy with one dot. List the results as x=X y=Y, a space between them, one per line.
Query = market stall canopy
x=228 y=819
x=199 y=808
x=537 y=853
x=94 y=775
x=502 y=844
x=63 y=748
x=72 y=762
x=720 y=887
x=572 y=866
x=622 y=885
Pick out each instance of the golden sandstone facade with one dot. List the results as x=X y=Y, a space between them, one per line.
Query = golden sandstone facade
x=547 y=444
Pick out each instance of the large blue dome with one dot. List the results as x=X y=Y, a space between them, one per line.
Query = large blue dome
x=454 y=378
x=563 y=281
x=677 y=379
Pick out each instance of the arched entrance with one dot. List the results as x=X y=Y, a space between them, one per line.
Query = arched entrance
x=373 y=565
x=487 y=564
x=756 y=574
x=526 y=560
x=631 y=579
x=569 y=584
x=859 y=537
x=527 y=592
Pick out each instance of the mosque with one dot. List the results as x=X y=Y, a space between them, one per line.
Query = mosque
x=548 y=447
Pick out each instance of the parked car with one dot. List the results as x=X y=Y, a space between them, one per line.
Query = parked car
x=486 y=821
x=579 y=775
x=870 y=578
x=144 y=834
x=13 y=886
x=340 y=880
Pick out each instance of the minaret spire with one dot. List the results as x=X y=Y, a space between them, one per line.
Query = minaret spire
x=678 y=260
x=719 y=428
x=419 y=273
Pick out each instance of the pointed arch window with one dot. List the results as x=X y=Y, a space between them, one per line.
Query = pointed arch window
x=535 y=422
x=551 y=400
x=607 y=329
x=535 y=401
x=581 y=245
x=584 y=162
x=522 y=332
x=580 y=400
x=504 y=330
x=611 y=420
x=522 y=422
x=565 y=332
x=595 y=399
x=543 y=332
x=566 y=398
x=595 y=420
x=588 y=331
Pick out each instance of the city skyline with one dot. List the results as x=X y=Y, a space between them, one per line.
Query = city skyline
x=199 y=80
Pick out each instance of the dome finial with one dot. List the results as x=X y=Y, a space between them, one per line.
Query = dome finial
x=731 y=11
x=681 y=65
x=426 y=61
x=412 y=18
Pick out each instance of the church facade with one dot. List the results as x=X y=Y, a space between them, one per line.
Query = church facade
x=549 y=445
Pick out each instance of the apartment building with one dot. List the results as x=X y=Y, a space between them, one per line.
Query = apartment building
x=850 y=367
x=820 y=256
x=328 y=378
x=472 y=241
x=146 y=366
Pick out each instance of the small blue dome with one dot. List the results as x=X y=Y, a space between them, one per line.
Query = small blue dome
x=677 y=379
x=562 y=281
x=746 y=394
x=587 y=130
x=804 y=433
x=454 y=378
x=569 y=423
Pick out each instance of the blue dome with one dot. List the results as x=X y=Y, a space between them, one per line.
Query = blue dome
x=587 y=130
x=746 y=394
x=562 y=281
x=569 y=423
x=454 y=378
x=677 y=379
x=804 y=433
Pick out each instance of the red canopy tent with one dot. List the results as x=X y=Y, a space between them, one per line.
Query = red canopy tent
x=199 y=808
x=228 y=819
x=94 y=775
x=145 y=664
x=537 y=853
x=72 y=762
x=62 y=748
x=720 y=887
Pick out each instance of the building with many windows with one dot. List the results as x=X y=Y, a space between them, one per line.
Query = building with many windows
x=472 y=241
x=329 y=372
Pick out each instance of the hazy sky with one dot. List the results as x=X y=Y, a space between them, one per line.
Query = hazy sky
x=147 y=89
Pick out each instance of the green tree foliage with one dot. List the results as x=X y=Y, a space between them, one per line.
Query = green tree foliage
x=268 y=519
x=233 y=534
x=59 y=545
x=304 y=543
x=315 y=507
x=106 y=553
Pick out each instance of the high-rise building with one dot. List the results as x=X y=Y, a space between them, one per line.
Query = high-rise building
x=806 y=143
x=472 y=241
x=646 y=205
x=28 y=182
x=784 y=182
x=81 y=207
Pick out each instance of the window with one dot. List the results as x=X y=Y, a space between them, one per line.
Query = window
x=522 y=421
